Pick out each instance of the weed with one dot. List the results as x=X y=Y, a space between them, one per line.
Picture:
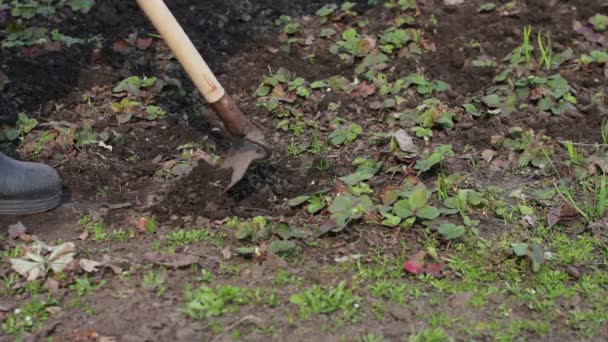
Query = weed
x=284 y=277
x=389 y=290
x=430 y=159
x=325 y=300
x=526 y=46
x=83 y=285
x=576 y=157
x=154 y=281
x=205 y=302
x=432 y=335
x=546 y=50
x=187 y=237
x=29 y=317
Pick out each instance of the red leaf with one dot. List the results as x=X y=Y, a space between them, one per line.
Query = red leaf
x=32 y=52
x=414 y=266
x=122 y=46
x=433 y=270
x=144 y=43
x=364 y=90
x=557 y=214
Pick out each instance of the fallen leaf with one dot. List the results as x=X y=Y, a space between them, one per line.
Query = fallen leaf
x=89 y=266
x=175 y=260
x=488 y=155
x=122 y=46
x=84 y=235
x=428 y=44
x=16 y=230
x=416 y=263
x=433 y=270
x=405 y=141
x=30 y=269
x=143 y=43
x=61 y=256
x=364 y=90
x=226 y=253
x=557 y=214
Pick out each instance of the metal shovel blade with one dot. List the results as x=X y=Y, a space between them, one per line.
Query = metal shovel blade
x=239 y=157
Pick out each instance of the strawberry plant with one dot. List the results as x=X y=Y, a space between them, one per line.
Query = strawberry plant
x=534 y=148
x=414 y=207
x=344 y=209
x=430 y=159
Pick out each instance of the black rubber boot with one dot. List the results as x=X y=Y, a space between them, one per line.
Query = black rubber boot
x=27 y=188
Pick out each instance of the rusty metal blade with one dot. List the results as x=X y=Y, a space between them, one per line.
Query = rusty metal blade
x=239 y=157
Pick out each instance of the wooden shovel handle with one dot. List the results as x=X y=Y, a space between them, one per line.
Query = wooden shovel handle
x=183 y=49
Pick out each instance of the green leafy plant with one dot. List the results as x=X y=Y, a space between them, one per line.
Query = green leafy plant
x=430 y=159
x=553 y=93
x=423 y=86
x=30 y=316
x=433 y=113
x=546 y=50
x=366 y=169
x=450 y=231
x=315 y=202
x=133 y=84
x=415 y=206
x=535 y=148
x=83 y=285
x=599 y=22
x=205 y=302
x=324 y=12
x=395 y=38
x=352 y=45
x=345 y=134
x=534 y=253
x=344 y=209
x=326 y=300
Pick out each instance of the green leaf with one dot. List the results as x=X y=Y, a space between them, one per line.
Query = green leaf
x=319 y=84
x=427 y=213
x=316 y=203
x=365 y=171
x=537 y=257
x=487 y=7
x=599 y=22
x=471 y=109
x=391 y=220
x=402 y=209
x=492 y=100
x=327 y=32
x=294 y=202
x=82 y=6
x=418 y=198
x=341 y=203
x=450 y=231
x=281 y=246
x=520 y=249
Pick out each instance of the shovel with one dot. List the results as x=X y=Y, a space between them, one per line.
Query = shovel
x=250 y=145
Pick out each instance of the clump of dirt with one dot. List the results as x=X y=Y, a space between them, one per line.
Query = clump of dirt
x=263 y=190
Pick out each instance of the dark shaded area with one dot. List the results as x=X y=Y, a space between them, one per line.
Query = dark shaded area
x=217 y=28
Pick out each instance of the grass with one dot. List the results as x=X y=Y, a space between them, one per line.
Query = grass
x=84 y=286
x=30 y=316
x=205 y=302
x=325 y=300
